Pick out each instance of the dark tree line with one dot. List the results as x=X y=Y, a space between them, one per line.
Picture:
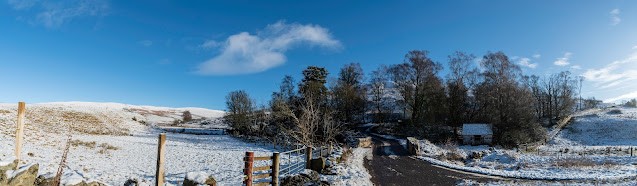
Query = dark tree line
x=415 y=93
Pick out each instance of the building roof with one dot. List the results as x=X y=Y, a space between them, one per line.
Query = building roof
x=476 y=129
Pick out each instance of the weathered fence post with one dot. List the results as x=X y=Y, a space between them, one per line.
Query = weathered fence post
x=161 y=151
x=276 y=158
x=631 y=151
x=308 y=157
x=249 y=162
x=19 y=133
x=330 y=152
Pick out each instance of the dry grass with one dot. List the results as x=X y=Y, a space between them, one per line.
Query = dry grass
x=583 y=162
x=103 y=148
x=453 y=152
x=108 y=146
x=50 y=119
x=151 y=112
x=76 y=143
x=347 y=152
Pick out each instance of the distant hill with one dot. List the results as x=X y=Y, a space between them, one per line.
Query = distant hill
x=97 y=118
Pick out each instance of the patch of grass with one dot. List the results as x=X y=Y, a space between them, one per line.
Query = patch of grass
x=76 y=143
x=582 y=162
x=108 y=146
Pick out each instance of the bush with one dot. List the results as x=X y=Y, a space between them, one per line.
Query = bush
x=615 y=111
x=187 y=117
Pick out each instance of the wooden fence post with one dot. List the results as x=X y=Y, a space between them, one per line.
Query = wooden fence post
x=330 y=152
x=249 y=163
x=161 y=151
x=276 y=158
x=308 y=157
x=19 y=133
x=631 y=151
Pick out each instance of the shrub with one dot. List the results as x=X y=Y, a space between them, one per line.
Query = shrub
x=615 y=111
x=187 y=117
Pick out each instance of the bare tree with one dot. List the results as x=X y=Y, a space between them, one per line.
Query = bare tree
x=459 y=81
x=420 y=87
x=378 y=89
x=240 y=111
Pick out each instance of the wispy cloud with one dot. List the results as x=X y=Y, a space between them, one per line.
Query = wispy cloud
x=537 y=56
x=526 y=62
x=576 y=67
x=245 y=53
x=614 y=16
x=563 y=61
x=146 y=43
x=54 y=14
x=635 y=47
x=622 y=97
x=22 y=4
x=210 y=44
x=622 y=72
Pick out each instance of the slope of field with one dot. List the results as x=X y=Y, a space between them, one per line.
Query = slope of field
x=110 y=146
x=606 y=127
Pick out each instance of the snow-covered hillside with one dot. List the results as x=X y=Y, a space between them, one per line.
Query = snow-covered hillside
x=594 y=146
x=605 y=127
x=110 y=146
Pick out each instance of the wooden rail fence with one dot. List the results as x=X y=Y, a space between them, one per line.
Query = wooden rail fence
x=249 y=169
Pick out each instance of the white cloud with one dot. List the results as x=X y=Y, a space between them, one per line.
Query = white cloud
x=536 y=56
x=576 y=67
x=635 y=47
x=563 y=61
x=525 y=62
x=53 y=14
x=622 y=72
x=614 y=16
x=244 y=53
x=146 y=43
x=210 y=44
x=622 y=97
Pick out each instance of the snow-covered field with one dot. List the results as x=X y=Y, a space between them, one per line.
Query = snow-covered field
x=109 y=146
x=595 y=146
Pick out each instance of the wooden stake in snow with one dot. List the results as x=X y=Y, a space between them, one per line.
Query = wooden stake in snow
x=308 y=157
x=247 y=171
x=161 y=150
x=19 y=132
x=276 y=158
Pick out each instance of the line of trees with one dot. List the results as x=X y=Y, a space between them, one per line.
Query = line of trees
x=413 y=92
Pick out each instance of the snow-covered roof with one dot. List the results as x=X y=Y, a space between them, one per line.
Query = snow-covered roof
x=476 y=129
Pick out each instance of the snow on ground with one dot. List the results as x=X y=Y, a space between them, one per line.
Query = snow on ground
x=594 y=146
x=220 y=156
x=110 y=147
x=352 y=172
x=131 y=150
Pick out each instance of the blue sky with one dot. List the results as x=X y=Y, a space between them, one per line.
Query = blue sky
x=192 y=53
